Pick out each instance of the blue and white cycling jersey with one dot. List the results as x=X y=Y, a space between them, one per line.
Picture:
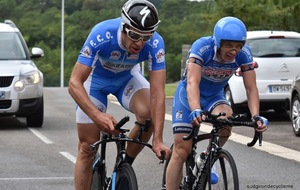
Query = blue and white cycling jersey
x=215 y=75
x=104 y=52
x=214 y=78
x=114 y=70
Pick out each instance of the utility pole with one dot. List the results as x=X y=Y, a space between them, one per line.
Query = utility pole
x=62 y=44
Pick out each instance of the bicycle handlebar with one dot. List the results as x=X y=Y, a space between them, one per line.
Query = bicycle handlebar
x=121 y=122
x=121 y=136
x=230 y=121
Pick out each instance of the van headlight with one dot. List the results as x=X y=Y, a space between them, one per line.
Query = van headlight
x=27 y=79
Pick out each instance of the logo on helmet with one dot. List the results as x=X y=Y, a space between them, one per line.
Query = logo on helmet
x=144 y=12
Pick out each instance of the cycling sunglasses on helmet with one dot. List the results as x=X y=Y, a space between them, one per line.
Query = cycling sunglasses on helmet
x=135 y=36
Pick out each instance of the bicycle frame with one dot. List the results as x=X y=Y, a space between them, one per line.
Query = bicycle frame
x=213 y=150
x=199 y=181
x=120 y=140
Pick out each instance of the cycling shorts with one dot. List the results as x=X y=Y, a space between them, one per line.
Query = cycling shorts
x=181 y=109
x=123 y=87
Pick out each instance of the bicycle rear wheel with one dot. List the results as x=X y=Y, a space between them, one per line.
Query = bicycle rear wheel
x=126 y=178
x=226 y=170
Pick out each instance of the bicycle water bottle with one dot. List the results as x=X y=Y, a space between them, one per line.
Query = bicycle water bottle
x=197 y=166
x=199 y=163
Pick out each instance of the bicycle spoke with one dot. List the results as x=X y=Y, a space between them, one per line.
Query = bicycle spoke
x=227 y=173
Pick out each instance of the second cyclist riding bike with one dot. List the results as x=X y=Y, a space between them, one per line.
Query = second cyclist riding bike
x=215 y=168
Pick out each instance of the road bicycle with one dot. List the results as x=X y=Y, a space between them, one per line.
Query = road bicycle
x=217 y=157
x=123 y=176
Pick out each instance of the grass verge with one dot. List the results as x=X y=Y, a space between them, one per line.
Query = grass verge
x=170 y=89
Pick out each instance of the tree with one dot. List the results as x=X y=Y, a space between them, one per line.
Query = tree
x=182 y=22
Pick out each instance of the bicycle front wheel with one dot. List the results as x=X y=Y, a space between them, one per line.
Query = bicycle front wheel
x=99 y=180
x=224 y=167
x=126 y=178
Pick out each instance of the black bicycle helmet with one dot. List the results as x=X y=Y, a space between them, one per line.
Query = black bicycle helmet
x=140 y=15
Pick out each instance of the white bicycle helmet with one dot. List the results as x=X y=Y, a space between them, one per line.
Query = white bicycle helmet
x=140 y=15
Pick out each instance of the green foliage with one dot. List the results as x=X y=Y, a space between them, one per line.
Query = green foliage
x=182 y=22
x=263 y=14
x=170 y=89
x=173 y=67
x=6 y=8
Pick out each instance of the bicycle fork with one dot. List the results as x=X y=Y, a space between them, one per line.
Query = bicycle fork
x=99 y=166
x=121 y=156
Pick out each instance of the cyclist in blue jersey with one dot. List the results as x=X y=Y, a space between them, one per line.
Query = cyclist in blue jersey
x=211 y=61
x=108 y=63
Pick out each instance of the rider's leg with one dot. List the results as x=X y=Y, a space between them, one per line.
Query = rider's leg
x=181 y=127
x=87 y=134
x=140 y=106
x=181 y=149
x=224 y=133
x=135 y=97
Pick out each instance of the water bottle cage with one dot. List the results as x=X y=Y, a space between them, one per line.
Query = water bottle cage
x=201 y=171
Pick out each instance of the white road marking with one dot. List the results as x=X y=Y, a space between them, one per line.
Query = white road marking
x=270 y=148
x=41 y=136
x=69 y=156
x=267 y=147
x=46 y=140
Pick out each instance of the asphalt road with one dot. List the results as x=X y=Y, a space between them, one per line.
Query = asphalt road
x=43 y=158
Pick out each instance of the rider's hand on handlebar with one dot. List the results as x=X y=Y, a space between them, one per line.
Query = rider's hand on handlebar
x=196 y=117
x=161 y=150
x=262 y=123
x=106 y=123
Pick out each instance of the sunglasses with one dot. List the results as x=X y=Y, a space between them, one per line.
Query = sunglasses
x=135 y=36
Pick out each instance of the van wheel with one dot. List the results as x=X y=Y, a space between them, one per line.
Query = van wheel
x=236 y=109
x=295 y=117
x=36 y=119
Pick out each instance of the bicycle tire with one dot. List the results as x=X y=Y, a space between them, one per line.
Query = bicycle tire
x=182 y=186
x=96 y=182
x=99 y=176
x=226 y=170
x=126 y=178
